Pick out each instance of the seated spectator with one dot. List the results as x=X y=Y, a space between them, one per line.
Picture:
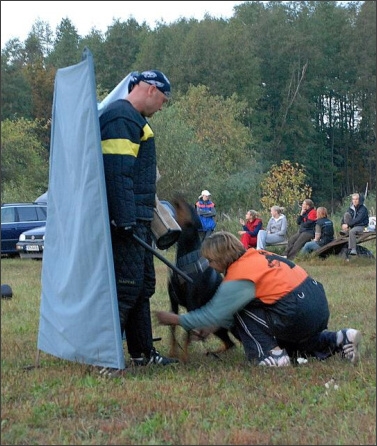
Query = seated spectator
x=207 y=211
x=372 y=224
x=307 y=220
x=354 y=221
x=323 y=232
x=276 y=230
x=250 y=229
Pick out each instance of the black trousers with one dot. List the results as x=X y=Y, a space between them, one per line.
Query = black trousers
x=296 y=242
x=297 y=322
x=135 y=283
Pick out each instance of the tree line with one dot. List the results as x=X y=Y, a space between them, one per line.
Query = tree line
x=277 y=81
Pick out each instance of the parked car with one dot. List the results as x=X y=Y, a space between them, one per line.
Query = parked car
x=31 y=243
x=17 y=218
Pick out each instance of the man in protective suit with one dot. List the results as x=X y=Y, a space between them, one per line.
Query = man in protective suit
x=129 y=156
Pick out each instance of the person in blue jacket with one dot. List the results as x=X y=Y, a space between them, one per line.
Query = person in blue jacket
x=207 y=211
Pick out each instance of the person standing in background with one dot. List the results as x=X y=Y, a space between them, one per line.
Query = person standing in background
x=207 y=211
x=276 y=230
x=250 y=229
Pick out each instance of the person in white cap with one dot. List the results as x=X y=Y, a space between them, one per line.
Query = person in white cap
x=207 y=211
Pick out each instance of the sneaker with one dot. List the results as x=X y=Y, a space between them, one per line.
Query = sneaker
x=349 y=343
x=138 y=362
x=278 y=359
x=155 y=358
x=353 y=252
x=109 y=372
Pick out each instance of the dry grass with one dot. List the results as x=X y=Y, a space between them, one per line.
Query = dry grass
x=208 y=400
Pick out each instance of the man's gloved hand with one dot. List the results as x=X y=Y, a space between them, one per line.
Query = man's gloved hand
x=128 y=231
x=125 y=232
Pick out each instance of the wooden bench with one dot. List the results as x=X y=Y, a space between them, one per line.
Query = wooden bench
x=340 y=245
x=283 y=243
x=272 y=246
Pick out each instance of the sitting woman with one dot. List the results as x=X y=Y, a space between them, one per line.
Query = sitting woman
x=323 y=232
x=250 y=229
x=306 y=221
x=276 y=230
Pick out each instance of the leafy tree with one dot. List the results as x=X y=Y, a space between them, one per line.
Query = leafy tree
x=24 y=161
x=362 y=51
x=162 y=49
x=299 y=78
x=94 y=41
x=40 y=78
x=66 y=50
x=202 y=48
x=119 y=51
x=285 y=185
x=201 y=141
x=16 y=98
x=42 y=31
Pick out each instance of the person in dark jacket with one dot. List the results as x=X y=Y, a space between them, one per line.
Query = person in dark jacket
x=323 y=232
x=129 y=157
x=280 y=312
x=354 y=221
x=307 y=220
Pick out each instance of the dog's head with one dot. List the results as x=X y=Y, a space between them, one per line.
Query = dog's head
x=185 y=214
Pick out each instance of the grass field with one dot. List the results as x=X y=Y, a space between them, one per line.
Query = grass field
x=206 y=401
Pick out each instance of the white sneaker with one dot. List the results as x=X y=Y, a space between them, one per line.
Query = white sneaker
x=278 y=358
x=349 y=340
x=109 y=372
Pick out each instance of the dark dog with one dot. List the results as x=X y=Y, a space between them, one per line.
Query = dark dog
x=205 y=279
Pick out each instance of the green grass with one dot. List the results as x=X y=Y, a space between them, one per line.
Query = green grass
x=206 y=401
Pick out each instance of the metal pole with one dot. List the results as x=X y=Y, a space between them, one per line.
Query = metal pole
x=162 y=258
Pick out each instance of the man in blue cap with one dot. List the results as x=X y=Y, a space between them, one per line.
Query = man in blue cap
x=129 y=156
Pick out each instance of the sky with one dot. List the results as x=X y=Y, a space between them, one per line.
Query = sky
x=17 y=17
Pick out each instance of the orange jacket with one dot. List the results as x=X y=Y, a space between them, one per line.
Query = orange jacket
x=274 y=276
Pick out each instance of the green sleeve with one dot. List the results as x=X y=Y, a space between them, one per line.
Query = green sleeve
x=230 y=298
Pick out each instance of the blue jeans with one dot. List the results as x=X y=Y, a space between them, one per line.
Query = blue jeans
x=309 y=247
